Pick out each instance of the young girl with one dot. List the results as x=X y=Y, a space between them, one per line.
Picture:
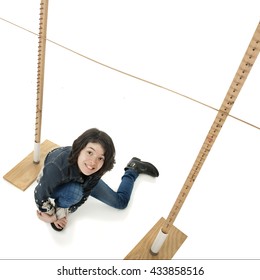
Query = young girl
x=70 y=174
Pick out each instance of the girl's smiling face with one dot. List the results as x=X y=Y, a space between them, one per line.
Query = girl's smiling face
x=91 y=158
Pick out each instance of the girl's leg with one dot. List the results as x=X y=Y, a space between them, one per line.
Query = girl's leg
x=121 y=197
x=67 y=195
x=64 y=197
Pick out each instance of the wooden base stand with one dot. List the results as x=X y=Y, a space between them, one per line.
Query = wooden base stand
x=171 y=245
x=26 y=172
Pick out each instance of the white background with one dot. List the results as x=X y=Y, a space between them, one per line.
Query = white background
x=192 y=48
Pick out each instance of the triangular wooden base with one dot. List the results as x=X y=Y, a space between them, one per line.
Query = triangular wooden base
x=26 y=171
x=171 y=245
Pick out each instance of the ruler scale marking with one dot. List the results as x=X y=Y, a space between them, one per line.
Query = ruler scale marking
x=40 y=67
x=229 y=100
x=40 y=77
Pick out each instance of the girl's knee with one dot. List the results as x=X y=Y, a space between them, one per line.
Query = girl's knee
x=122 y=205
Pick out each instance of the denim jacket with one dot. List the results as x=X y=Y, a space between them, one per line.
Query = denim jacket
x=58 y=171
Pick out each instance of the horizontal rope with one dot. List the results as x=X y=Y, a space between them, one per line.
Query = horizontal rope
x=129 y=75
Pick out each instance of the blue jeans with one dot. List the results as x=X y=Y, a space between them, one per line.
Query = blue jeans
x=71 y=193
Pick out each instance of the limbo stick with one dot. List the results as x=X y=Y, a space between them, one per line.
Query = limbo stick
x=156 y=246
x=26 y=171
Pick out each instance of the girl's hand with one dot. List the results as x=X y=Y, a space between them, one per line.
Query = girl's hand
x=61 y=223
x=45 y=217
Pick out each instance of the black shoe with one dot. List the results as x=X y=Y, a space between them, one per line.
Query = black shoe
x=142 y=167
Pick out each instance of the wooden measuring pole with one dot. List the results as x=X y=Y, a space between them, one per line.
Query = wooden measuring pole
x=228 y=102
x=166 y=232
x=26 y=171
x=40 y=77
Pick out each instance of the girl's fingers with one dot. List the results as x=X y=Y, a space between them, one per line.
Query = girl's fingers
x=61 y=223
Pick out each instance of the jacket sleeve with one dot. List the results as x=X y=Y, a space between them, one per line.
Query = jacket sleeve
x=48 y=180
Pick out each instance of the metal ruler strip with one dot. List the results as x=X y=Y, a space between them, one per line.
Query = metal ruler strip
x=229 y=100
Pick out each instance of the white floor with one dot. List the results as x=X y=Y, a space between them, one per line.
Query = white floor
x=191 y=47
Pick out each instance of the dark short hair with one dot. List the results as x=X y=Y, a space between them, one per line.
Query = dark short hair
x=95 y=135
